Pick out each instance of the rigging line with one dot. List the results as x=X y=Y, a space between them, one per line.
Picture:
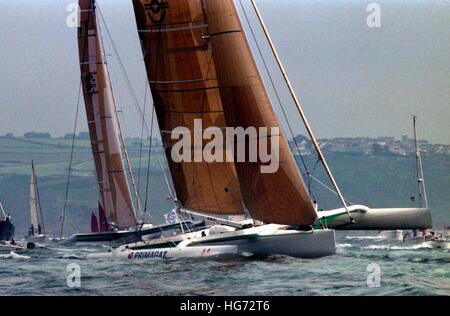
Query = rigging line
x=121 y=137
x=149 y=160
x=300 y=111
x=166 y=178
x=420 y=176
x=275 y=90
x=142 y=136
x=311 y=192
x=152 y=117
x=130 y=87
x=80 y=87
x=329 y=188
x=63 y=216
x=124 y=73
x=2 y=209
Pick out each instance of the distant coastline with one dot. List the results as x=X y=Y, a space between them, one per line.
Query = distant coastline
x=404 y=146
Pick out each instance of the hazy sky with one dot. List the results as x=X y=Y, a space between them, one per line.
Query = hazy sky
x=352 y=80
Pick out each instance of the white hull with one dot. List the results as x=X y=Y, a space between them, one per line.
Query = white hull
x=392 y=234
x=207 y=252
x=260 y=241
x=378 y=219
x=272 y=240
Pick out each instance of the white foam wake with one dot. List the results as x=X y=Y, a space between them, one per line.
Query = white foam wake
x=13 y=255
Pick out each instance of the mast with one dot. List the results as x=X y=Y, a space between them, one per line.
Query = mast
x=300 y=109
x=419 y=169
x=103 y=123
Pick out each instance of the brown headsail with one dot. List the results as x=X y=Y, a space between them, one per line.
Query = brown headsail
x=103 y=122
x=200 y=65
x=182 y=78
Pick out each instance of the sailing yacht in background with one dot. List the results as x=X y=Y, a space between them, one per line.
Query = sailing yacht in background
x=36 y=231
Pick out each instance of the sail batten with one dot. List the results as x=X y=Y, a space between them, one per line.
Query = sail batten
x=103 y=122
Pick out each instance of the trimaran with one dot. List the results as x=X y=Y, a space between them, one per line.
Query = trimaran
x=200 y=66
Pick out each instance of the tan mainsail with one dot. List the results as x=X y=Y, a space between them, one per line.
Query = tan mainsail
x=200 y=66
x=183 y=81
x=279 y=197
x=102 y=121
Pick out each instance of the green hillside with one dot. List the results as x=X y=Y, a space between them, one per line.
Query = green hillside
x=377 y=181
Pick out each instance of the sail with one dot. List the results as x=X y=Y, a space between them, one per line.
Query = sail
x=94 y=223
x=182 y=38
x=34 y=202
x=279 y=197
x=103 y=222
x=183 y=82
x=103 y=122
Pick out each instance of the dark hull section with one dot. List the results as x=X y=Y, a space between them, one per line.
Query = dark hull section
x=6 y=230
x=124 y=237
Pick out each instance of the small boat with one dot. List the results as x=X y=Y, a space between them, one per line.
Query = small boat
x=36 y=232
x=8 y=246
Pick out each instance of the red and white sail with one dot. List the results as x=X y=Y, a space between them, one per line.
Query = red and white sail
x=103 y=122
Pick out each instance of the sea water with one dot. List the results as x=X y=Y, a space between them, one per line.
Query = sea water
x=363 y=265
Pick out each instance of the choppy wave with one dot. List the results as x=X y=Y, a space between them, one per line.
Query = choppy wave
x=365 y=237
x=406 y=270
x=13 y=255
x=398 y=247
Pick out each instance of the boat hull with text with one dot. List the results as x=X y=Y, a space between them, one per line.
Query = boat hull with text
x=180 y=252
x=264 y=240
